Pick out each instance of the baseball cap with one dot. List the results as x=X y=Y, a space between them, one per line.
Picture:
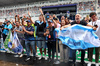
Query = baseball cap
x=7 y=21
x=28 y=21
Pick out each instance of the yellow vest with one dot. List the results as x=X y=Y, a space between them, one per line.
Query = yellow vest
x=34 y=30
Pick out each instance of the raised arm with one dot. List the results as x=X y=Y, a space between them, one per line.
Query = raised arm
x=23 y=22
x=15 y=18
x=42 y=15
x=55 y=24
x=30 y=18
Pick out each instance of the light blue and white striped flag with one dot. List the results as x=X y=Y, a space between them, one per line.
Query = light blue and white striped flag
x=15 y=45
x=78 y=37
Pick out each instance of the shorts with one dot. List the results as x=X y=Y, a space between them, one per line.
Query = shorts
x=41 y=44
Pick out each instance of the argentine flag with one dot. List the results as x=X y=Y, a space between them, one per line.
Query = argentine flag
x=15 y=45
x=78 y=37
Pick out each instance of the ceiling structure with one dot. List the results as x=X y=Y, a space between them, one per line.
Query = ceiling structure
x=4 y=3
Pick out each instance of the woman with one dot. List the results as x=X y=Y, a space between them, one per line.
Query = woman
x=64 y=50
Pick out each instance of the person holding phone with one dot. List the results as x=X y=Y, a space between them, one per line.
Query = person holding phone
x=95 y=22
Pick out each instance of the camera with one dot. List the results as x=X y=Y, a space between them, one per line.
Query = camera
x=16 y=15
x=20 y=17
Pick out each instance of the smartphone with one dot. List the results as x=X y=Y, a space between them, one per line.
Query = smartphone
x=96 y=26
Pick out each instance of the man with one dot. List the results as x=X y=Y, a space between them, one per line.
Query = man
x=50 y=34
x=78 y=21
x=95 y=22
x=41 y=25
x=29 y=30
x=7 y=27
x=20 y=33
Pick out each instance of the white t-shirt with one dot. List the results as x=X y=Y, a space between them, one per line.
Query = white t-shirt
x=98 y=29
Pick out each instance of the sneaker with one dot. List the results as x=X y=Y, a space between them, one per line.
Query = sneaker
x=40 y=57
x=45 y=57
x=21 y=55
x=27 y=59
x=97 y=64
x=66 y=61
x=49 y=59
x=61 y=60
x=16 y=55
x=89 y=64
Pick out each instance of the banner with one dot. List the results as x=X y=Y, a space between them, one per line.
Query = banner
x=15 y=45
x=78 y=37
x=7 y=41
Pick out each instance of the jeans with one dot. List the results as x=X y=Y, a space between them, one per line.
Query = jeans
x=51 y=48
x=4 y=37
x=27 y=45
x=41 y=44
x=73 y=55
x=82 y=55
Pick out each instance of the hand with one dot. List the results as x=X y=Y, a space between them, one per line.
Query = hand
x=5 y=28
x=9 y=29
x=23 y=28
x=29 y=13
x=18 y=16
x=28 y=18
x=47 y=32
x=24 y=16
x=16 y=30
x=94 y=28
x=61 y=28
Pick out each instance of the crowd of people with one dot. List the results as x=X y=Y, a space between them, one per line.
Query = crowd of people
x=44 y=29
x=86 y=6
x=82 y=6
x=20 y=11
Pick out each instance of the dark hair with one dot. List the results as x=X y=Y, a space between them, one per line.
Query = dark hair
x=92 y=13
x=18 y=21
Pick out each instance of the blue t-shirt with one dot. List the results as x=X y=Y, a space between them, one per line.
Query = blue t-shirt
x=5 y=31
x=28 y=36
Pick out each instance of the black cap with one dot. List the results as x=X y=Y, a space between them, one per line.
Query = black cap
x=7 y=21
x=28 y=21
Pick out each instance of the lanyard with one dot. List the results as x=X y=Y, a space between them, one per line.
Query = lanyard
x=94 y=23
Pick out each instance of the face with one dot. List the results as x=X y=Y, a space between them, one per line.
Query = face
x=40 y=18
x=17 y=24
x=77 y=17
x=50 y=24
x=8 y=23
x=63 y=22
x=94 y=18
x=28 y=23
